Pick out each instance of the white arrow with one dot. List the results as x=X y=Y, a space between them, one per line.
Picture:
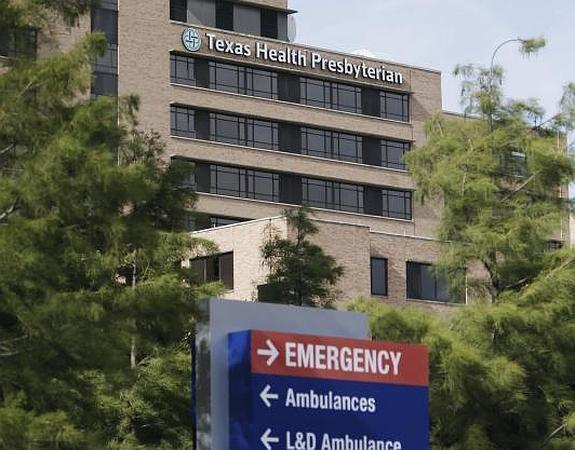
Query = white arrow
x=266 y=396
x=267 y=439
x=271 y=352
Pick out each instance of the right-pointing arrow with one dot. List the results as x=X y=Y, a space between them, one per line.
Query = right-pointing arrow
x=267 y=439
x=271 y=352
x=266 y=396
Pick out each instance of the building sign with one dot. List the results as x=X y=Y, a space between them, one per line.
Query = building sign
x=296 y=57
x=302 y=392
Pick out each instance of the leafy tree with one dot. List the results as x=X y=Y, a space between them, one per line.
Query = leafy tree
x=499 y=175
x=502 y=371
x=300 y=272
x=95 y=308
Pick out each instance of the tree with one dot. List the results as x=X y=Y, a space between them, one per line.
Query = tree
x=300 y=272
x=95 y=307
x=499 y=175
x=502 y=371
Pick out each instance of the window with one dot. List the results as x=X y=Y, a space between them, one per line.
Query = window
x=379 y=276
x=554 y=244
x=424 y=284
x=394 y=106
x=109 y=4
x=332 y=145
x=217 y=221
x=332 y=195
x=105 y=84
x=392 y=153
x=108 y=62
x=18 y=43
x=514 y=164
x=243 y=131
x=182 y=70
x=315 y=92
x=182 y=122
x=325 y=94
x=396 y=204
x=179 y=10
x=245 y=183
x=106 y=21
x=346 y=98
x=269 y=23
x=224 y=15
x=215 y=268
x=243 y=80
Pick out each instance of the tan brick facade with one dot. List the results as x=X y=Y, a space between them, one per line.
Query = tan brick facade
x=146 y=38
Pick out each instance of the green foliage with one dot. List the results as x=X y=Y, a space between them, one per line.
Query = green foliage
x=533 y=45
x=501 y=375
x=499 y=184
x=501 y=372
x=300 y=272
x=95 y=307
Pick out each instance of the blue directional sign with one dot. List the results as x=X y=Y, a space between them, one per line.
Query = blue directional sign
x=302 y=392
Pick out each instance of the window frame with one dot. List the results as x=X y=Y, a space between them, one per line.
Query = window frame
x=175 y=110
x=407 y=197
x=405 y=99
x=385 y=292
x=437 y=281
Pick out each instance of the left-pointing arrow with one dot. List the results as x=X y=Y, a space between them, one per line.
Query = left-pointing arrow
x=266 y=396
x=267 y=439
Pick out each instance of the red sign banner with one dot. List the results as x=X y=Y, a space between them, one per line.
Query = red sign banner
x=308 y=356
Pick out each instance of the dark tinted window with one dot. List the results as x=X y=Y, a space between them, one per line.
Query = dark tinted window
x=217 y=221
x=106 y=21
x=378 y=276
x=346 y=98
x=269 y=25
x=392 y=153
x=243 y=131
x=224 y=15
x=396 y=204
x=18 y=43
x=243 y=80
x=109 y=4
x=215 y=268
x=424 y=284
x=105 y=84
x=395 y=106
x=332 y=195
x=316 y=92
x=179 y=10
x=182 y=70
x=332 y=145
x=108 y=62
x=244 y=183
x=327 y=94
x=182 y=122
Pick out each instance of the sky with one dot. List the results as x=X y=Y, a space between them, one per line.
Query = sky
x=439 y=34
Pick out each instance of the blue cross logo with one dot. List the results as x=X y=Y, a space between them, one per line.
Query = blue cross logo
x=191 y=39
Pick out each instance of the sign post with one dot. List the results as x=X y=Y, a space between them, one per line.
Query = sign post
x=303 y=392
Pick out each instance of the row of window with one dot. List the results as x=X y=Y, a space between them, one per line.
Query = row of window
x=226 y=128
x=256 y=82
x=296 y=190
x=105 y=20
x=231 y=16
x=421 y=281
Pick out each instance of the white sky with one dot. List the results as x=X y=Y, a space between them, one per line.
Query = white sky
x=439 y=34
